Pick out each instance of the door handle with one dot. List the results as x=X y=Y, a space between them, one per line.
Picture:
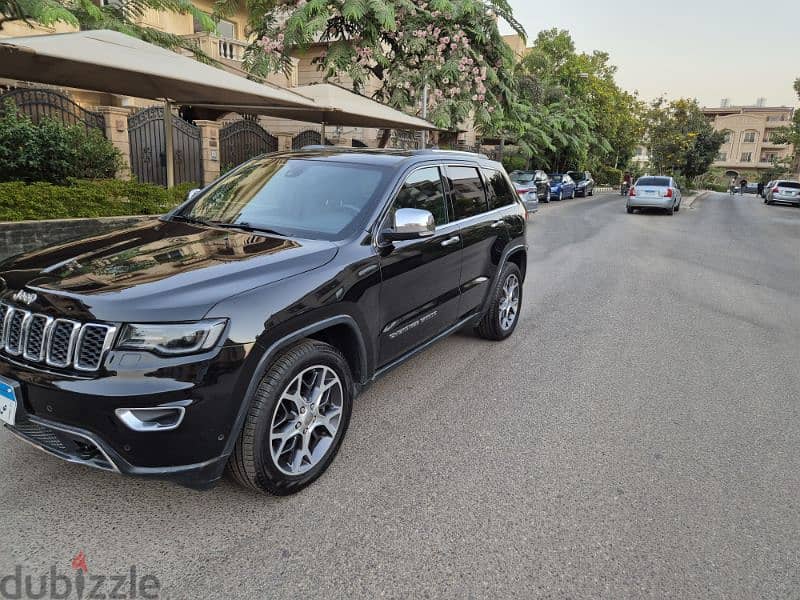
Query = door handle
x=449 y=242
x=497 y=224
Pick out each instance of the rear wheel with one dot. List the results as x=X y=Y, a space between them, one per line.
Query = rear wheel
x=671 y=211
x=503 y=315
x=297 y=420
x=630 y=210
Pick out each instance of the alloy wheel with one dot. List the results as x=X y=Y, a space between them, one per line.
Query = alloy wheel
x=509 y=302
x=306 y=420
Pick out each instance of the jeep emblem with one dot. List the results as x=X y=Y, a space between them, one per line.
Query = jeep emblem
x=24 y=297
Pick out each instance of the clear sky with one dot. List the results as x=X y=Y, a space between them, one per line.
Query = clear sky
x=705 y=49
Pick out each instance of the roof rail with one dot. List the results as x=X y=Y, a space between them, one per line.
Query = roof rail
x=446 y=151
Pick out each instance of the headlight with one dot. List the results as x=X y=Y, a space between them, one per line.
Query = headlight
x=171 y=338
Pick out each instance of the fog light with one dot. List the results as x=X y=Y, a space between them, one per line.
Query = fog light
x=157 y=418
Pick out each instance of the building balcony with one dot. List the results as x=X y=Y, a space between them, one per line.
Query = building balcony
x=220 y=48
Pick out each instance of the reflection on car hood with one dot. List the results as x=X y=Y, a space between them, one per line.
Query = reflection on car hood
x=160 y=271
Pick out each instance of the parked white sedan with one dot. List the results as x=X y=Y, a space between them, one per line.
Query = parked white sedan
x=655 y=192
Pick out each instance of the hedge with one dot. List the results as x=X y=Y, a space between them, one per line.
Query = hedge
x=86 y=198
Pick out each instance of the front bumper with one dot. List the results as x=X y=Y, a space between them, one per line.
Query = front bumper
x=73 y=417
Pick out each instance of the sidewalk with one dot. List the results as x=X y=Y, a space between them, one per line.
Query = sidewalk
x=688 y=201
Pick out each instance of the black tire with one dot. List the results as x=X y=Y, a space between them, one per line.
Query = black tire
x=671 y=211
x=630 y=210
x=251 y=464
x=678 y=208
x=490 y=328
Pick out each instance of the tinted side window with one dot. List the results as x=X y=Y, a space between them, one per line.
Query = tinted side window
x=469 y=198
x=423 y=190
x=498 y=191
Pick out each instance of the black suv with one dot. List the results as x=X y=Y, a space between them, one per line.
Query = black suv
x=236 y=330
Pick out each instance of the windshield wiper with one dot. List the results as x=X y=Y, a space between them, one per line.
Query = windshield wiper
x=246 y=227
x=189 y=219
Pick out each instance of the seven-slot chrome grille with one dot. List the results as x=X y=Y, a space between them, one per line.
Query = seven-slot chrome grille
x=60 y=343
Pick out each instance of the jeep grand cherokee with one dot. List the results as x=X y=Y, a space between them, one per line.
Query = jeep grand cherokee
x=235 y=331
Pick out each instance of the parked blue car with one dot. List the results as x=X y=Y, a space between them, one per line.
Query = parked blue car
x=561 y=186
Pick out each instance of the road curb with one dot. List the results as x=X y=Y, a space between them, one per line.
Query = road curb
x=692 y=199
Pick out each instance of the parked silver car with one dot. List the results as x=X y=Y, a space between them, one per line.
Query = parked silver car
x=655 y=192
x=527 y=193
x=784 y=191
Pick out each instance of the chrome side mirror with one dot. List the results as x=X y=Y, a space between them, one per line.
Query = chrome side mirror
x=193 y=193
x=410 y=224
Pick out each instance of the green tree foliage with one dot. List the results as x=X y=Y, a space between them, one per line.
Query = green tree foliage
x=681 y=140
x=575 y=114
x=791 y=134
x=51 y=151
x=124 y=16
x=453 y=47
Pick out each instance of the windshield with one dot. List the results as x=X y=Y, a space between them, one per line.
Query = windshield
x=519 y=177
x=789 y=184
x=654 y=181
x=556 y=178
x=577 y=176
x=305 y=198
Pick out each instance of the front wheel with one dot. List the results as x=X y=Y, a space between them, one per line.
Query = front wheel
x=506 y=301
x=296 y=422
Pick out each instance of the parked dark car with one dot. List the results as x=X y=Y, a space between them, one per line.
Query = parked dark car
x=561 y=186
x=236 y=331
x=751 y=188
x=584 y=183
x=537 y=180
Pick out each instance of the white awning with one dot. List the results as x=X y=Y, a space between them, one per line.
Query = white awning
x=112 y=62
x=339 y=106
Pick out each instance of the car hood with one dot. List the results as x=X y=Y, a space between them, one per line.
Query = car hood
x=158 y=271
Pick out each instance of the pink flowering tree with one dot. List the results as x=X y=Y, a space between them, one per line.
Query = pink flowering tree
x=451 y=46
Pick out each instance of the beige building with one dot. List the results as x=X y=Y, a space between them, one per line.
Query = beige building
x=748 y=144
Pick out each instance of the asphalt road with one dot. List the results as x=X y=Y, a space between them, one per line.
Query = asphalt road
x=639 y=437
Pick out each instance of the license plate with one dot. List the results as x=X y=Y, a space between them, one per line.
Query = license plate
x=650 y=193
x=8 y=401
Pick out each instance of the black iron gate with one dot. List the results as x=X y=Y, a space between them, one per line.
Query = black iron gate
x=309 y=137
x=39 y=103
x=241 y=141
x=148 y=148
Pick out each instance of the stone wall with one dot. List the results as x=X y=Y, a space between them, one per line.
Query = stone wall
x=25 y=236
